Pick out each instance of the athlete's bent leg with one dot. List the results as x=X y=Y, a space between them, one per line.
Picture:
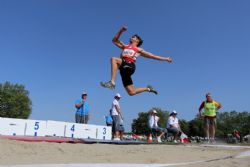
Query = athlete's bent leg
x=115 y=64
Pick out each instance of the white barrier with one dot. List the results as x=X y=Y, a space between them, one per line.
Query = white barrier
x=74 y=130
x=9 y=126
x=89 y=131
x=1 y=126
x=55 y=128
x=104 y=133
x=12 y=127
x=36 y=128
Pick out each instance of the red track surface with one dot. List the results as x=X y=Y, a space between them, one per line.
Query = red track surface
x=53 y=139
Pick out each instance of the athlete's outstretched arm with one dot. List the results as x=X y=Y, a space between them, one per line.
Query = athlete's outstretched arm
x=116 y=40
x=152 y=56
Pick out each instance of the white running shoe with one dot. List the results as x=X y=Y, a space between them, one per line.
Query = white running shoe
x=159 y=140
x=212 y=141
x=116 y=139
x=108 y=84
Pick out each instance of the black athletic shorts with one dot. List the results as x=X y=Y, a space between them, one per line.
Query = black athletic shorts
x=127 y=69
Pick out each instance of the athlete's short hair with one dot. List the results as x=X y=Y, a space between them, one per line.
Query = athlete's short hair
x=140 y=40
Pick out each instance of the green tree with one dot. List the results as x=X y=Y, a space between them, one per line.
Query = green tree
x=196 y=127
x=14 y=101
x=229 y=121
x=226 y=123
x=140 y=125
x=184 y=126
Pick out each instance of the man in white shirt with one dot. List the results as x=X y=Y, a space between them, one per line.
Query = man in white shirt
x=116 y=116
x=173 y=125
x=153 y=125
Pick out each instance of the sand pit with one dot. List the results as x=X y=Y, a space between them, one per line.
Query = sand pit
x=18 y=153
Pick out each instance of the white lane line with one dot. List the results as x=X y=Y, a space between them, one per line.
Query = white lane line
x=225 y=146
x=242 y=154
x=88 y=165
x=220 y=146
x=116 y=165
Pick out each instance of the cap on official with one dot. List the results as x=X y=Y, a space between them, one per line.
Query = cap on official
x=118 y=95
x=154 y=111
x=173 y=113
x=84 y=93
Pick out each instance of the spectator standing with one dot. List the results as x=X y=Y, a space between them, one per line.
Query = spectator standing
x=121 y=129
x=82 y=110
x=116 y=116
x=210 y=107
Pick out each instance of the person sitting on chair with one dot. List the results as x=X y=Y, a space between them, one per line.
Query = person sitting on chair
x=237 y=135
x=153 y=125
x=173 y=125
x=108 y=118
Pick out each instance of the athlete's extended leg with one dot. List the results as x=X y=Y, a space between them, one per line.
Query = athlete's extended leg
x=115 y=64
x=133 y=91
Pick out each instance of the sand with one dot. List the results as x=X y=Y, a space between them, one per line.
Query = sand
x=18 y=152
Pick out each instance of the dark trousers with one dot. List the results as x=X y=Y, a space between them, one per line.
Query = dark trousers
x=82 y=119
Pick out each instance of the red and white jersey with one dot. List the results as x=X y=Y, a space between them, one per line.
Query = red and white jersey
x=130 y=53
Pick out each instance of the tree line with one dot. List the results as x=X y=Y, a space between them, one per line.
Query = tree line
x=14 y=101
x=227 y=122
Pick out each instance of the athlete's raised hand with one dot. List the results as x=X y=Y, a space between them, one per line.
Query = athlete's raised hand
x=123 y=29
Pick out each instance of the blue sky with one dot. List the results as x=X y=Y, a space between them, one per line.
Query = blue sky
x=59 y=48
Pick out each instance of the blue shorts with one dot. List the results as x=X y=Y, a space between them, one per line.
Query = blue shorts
x=121 y=128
